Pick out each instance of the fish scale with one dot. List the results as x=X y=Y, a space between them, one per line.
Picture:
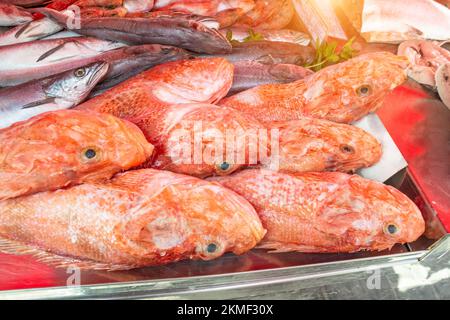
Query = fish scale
x=318 y=95
x=152 y=99
x=326 y=212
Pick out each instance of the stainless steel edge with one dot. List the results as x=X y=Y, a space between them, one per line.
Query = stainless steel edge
x=183 y=287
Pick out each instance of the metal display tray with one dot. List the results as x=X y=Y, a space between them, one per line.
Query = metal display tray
x=262 y=274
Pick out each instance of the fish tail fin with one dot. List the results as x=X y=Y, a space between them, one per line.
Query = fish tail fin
x=14 y=247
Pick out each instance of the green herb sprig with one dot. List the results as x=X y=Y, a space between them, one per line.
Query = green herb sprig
x=252 y=36
x=327 y=55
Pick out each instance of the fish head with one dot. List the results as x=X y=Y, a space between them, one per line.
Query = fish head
x=350 y=148
x=81 y=145
x=231 y=225
x=74 y=86
x=204 y=140
x=357 y=86
x=109 y=144
x=182 y=216
x=310 y=144
x=370 y=215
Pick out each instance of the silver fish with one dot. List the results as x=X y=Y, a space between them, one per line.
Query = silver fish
x=33 y=30
x=250 y=74
x=24 y=62
x=11 y=15
x=168 y=28
x=62 y=91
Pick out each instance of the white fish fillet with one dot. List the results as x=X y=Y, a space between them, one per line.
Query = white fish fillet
x=394 y=21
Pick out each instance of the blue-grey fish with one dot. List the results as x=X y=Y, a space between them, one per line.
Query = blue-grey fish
x=62 y=91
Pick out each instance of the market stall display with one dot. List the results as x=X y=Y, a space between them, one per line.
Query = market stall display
x=207 y=129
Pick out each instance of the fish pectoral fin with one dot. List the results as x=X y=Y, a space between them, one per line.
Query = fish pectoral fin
x=38 y=103
x=13 y=247
x=50 y=52
x=22 y=29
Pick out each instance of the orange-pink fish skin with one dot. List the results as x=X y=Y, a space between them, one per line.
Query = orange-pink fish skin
x=178 y=82
x=327 y=212
x=140 y=218
x=308 y=145
x=343 y=93
x=268 y=14
x=47 y=152
x=175 y=96
x=210 y=136
x=145 y=98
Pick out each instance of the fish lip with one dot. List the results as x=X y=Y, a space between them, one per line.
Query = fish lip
x=99 y=72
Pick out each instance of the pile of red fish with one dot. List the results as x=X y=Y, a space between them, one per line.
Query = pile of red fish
x=161 y=162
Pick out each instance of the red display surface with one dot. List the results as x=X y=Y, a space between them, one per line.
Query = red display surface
x=419 y=123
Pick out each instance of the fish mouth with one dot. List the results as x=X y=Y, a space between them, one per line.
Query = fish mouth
x=350 y=166
x=98 y=73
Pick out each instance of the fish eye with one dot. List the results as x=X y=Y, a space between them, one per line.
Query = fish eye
x=345 y=148
x=211 y=248
x=391 y=229
x=79 y=73
x=89 y=154
x=364 y=90
x=224 y=167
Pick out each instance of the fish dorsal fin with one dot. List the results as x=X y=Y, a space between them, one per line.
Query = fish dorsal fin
x=13 y=247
